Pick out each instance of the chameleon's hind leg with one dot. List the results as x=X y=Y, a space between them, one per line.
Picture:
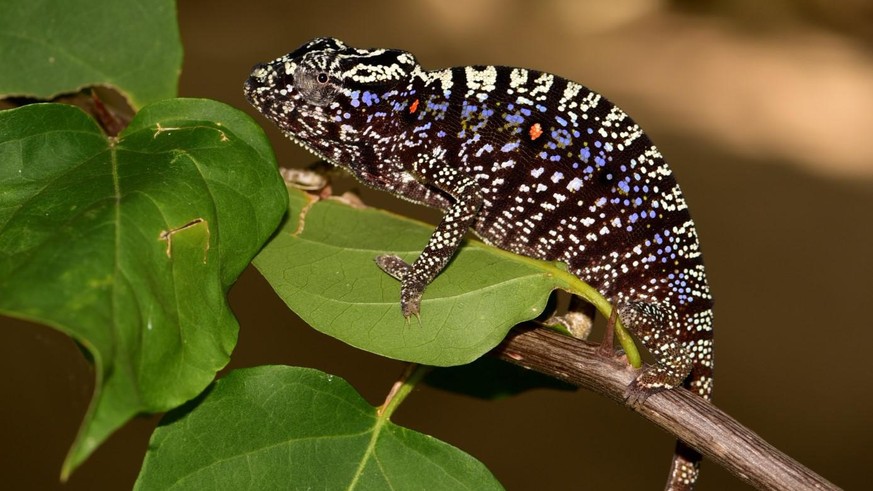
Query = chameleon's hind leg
x=659 y=330
x=661 y=333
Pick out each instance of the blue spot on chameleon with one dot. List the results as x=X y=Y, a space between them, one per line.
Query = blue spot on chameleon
x=439 y=108
x=562 y=137
x=585 y=154
x=514 y=118
x=525 y=111
x=424 y=127
x=508 y=147
x=624 y=187
x=599 y=161
x=370 y=98
x=561 y=121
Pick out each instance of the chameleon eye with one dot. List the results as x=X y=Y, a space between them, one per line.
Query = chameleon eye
x=322 y=78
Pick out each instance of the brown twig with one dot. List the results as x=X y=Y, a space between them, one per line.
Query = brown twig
x=705 y=427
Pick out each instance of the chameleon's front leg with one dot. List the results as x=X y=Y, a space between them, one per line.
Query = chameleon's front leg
x=445 y=240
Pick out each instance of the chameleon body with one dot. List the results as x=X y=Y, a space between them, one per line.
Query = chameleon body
x=533 y=163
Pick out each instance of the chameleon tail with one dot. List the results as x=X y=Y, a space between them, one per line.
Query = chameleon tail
x=684 y=469
x=686 y=460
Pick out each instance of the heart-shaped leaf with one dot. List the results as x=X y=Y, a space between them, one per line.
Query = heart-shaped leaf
x=276 y=427
x=326 y=273
x=129 y=245
x=51 y=47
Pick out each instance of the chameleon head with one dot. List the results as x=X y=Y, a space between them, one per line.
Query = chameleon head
x=316 y=93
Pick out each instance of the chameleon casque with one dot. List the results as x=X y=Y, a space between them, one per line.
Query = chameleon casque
x=533 y=163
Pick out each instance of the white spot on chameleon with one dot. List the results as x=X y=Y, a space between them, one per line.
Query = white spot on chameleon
x=575 y=184
x=518 y=79
x=483 y=80
x=542 y=85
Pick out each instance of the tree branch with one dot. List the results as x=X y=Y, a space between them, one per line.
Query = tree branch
x=691 y=418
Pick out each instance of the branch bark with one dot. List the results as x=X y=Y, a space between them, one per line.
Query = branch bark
x=691 y=418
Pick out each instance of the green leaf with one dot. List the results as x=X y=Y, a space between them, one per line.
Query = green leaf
x=327 y=275
x=129 y=245
x=279 y=427
x=51 y=47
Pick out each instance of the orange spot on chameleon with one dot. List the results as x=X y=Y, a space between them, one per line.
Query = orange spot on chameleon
x=413 y=107
x=536 y=131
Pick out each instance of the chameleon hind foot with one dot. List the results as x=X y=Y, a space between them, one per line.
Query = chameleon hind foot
x=654 y=326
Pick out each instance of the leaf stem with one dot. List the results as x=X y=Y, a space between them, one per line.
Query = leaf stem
x=576 y=286
x=412 y=375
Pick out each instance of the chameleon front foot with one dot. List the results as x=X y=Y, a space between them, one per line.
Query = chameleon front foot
x=410 y=288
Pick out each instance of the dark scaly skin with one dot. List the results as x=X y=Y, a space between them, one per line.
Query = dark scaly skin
x=534 y=164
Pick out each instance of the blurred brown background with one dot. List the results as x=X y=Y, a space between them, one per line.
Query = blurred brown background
x=765 y=111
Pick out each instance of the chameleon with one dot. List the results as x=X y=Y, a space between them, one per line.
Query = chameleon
x=532 y=163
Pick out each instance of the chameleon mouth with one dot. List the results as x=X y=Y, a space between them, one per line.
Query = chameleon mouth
x=314 y=151
x=249 y=89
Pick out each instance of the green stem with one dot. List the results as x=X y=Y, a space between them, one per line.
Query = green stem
x=571 y=283
x=412 y=375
